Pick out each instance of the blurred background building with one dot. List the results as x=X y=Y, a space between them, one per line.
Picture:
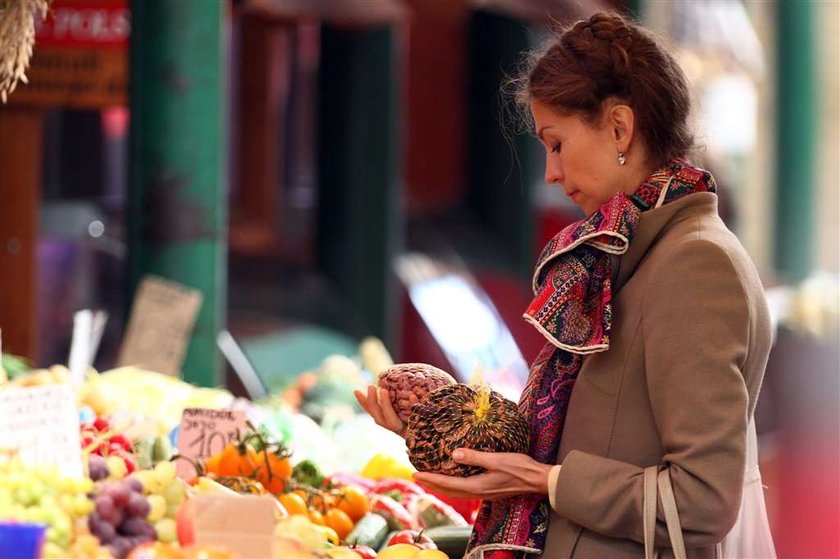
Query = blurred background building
x=325 y=170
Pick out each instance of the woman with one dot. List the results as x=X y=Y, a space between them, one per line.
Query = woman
x=657 y=327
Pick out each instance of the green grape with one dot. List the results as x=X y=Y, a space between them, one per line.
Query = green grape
x=54 y=551
x=166 y=529
x=158 y=508
x=174 y=493
x=172 y=510
x=164 y=473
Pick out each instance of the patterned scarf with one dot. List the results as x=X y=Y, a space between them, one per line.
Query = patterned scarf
x=572 y=309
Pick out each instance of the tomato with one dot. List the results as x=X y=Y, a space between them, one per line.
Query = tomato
x=315 y=517
x=101 y=424
x=293 y=503
x=339 y=521
x=273 y=471
x=211 y=465
x=354 y=502
x=236 y=461
x=120 y=440
x=363 y=551
x=413 y=537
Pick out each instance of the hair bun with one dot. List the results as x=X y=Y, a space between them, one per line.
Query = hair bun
x=609 y=56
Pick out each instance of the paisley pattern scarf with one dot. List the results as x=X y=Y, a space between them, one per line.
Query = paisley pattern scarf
x=572 y=309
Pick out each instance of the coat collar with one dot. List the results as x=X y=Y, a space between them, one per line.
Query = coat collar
x=653 y=224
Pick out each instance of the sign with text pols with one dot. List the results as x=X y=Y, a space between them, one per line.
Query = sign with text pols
x=205 y=432
x=80 y=57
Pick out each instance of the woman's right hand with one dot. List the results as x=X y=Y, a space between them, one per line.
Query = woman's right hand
x=377 y=402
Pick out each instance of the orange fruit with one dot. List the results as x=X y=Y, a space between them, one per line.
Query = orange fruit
x=293 y=503
x=354 y=502
x=339 y=521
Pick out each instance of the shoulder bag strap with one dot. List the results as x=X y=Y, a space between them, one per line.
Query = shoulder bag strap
x=649 y=510
x=672 y=517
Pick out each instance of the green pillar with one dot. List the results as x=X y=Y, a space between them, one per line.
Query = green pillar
x=634 y=8
x=795 y=135
x=502 y=164
x=176 y=206
x=360 y=215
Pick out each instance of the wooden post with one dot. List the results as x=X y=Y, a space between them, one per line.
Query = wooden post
x=21 y=153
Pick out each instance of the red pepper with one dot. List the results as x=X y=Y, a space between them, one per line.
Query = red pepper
x=397 y=516
x=400 y=489
x=468 y=508
x=343 y=479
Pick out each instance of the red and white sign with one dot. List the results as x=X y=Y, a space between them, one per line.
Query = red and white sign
x=85 y=24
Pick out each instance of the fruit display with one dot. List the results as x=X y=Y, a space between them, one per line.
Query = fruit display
x=40 y=495
x=409 y=383
x=340 y=493
x=463 y=416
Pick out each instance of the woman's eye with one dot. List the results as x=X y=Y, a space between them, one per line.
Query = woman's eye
x=556 y=147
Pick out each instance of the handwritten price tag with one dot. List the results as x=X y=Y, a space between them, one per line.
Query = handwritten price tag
x=205 y=432
x=41 y=424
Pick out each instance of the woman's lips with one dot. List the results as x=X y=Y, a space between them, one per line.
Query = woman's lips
x=572 y=194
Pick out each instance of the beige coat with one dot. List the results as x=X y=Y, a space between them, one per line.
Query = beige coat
x=689 y=345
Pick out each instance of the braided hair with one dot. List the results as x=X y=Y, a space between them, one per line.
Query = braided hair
x=610 y=57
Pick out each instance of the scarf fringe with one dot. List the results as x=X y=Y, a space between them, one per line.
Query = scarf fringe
x=580 y=350
x=478 y=552
x=604 y=247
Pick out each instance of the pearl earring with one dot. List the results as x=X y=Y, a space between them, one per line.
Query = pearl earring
x=622 y=158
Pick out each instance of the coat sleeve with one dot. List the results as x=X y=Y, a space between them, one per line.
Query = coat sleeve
x=695 y=330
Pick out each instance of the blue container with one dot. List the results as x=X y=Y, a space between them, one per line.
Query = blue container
x=21 y=541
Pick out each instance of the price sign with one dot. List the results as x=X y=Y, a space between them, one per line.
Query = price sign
x=161 y=324
x=205 y=432
x=41 y=424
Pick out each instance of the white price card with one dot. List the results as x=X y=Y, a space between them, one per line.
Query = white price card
x=205 y=432
x=41 y=424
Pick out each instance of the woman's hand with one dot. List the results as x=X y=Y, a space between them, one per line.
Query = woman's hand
x=377 y=403
x=507 y=474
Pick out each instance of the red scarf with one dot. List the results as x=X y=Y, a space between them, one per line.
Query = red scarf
x=572 y=309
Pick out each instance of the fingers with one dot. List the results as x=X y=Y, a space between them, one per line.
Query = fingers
x=390 y=415
x=446 y=485
x=378 y=405
x=476 y=458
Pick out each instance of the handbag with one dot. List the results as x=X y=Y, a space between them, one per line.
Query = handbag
x=750 y=537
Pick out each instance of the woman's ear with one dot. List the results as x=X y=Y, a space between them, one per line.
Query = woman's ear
x=622 y=122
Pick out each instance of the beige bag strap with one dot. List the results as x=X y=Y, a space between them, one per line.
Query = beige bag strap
x=649 y=510
x=672 y=517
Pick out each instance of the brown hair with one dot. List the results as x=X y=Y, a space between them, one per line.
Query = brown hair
x=608 y=56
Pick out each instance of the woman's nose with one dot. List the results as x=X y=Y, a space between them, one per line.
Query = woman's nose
x=553 y=172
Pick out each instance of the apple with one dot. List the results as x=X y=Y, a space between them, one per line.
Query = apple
x=399 y=551
x=363 y=551
x=184 y=523
x=414 y=537
x=431 y=554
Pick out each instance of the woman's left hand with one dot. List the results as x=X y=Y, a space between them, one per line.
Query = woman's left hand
x=507 y=474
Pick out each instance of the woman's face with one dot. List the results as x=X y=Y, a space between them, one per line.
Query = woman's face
x=580 y=157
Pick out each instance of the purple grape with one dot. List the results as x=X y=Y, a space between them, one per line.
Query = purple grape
x=134 y=484
x=120 y=547
x=103 y=531
x=136 y=526
x=118 y=492
x=138 y=505
x=97 y=468
x=106 y=509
